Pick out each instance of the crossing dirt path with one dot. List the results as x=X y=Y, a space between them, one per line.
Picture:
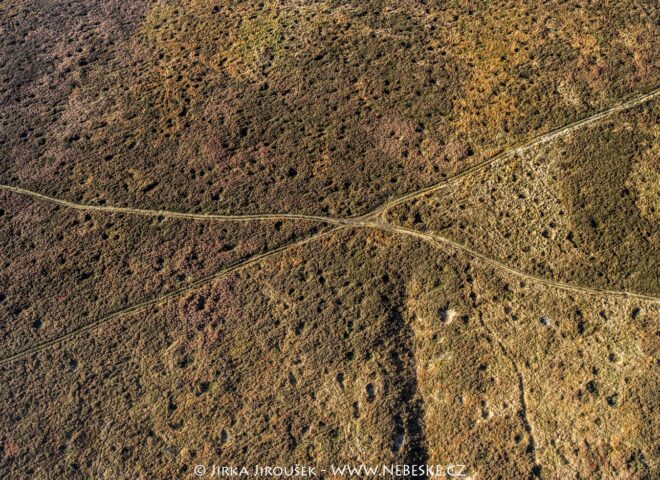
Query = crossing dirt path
x=373 y=219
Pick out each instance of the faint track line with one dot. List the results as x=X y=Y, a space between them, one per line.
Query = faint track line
x=375 y=225
x=145 y=304
x=523 y=413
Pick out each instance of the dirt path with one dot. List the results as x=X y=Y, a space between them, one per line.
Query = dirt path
x=169 y=213
x=433 y=238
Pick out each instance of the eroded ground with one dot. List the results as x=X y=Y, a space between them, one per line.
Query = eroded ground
x=582 y=209
x=329 y=232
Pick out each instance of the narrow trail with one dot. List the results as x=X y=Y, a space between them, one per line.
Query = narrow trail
x=434 y=238
x=147 y=303
x=373 y=219
x=170 y=213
